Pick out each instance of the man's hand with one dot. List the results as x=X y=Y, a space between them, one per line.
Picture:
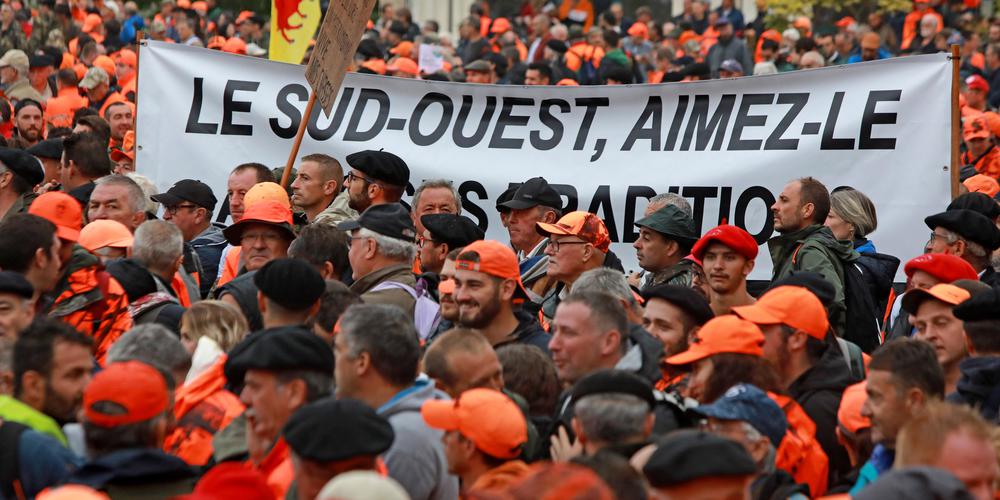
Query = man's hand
x=562 y=450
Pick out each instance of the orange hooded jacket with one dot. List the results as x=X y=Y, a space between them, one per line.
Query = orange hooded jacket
x=800 y=454
x=201 y=407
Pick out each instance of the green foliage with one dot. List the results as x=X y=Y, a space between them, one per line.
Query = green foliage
x=783 y=12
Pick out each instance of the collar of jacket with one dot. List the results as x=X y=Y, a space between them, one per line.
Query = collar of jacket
x=368 y=281
x=783 y=243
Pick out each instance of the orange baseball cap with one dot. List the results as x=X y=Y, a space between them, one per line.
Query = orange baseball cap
x=403 y=65
x=794 y=306
x=235 y=46
x=486 y=417
x=105 y=63
x=376 y=65
x=980 y=183
x=105 y=233
x=71 y=492
x=262 y=212
x=639 y=29
x=976 y=128
x=945 y=292
x=266 y=191
x=500 y=25
x=849 y=414
x=584 y=225
x=992 y=122
x=495 y=259
x=62 y=210
x=91 y=22
x=723 y=334
x=404 y=49
x=216 y=42
x=136 y=387
x=845 y=21
x=568 y=82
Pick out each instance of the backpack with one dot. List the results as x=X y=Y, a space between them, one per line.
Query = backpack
x=10 y=466
x=588 y=73
x=426 y=312
x=862 y=327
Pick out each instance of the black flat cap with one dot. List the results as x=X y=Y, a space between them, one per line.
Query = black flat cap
x=39 y=61
x=968 y=224
x=189 y=190
x=685 y=298
x=291 y=283
x=276 y=349
x=534 y=192
x=504 y=197
x=688 y=455
x=557 y=45
x=330 y=430
x=15 y=283
x=51 y=149
x=812 y=281
x=23 y=165
x=614 y=382
x=389 y=219
x=381 y=166
x=454 y=230
x=397 y=27
x=982 y=306
x=369 y=49
x=977 y=202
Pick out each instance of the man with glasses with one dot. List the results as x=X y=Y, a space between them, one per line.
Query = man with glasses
x=578 y=242
x=376 y=178
x=967 y=234
x=189 y=204
x=443 y=233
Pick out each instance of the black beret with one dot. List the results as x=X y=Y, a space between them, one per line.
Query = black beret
x=23 y=165
x=812 y=281
x=982 y=306
x=557 y=45
x=613 y=382
x=15 y=283
x=968 y=224
x=977 y=202
x=685 y=298
x=454 y=230
x=329 y=430
x=381 y=166
x=279 y=348
x=388 y=219
x=291 y=283
x=51 y=149
x=688 y=455
x=39 y=61
x=369 y=49
x=397 y=27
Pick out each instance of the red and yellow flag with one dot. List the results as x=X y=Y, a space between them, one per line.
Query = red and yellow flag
x=293 y=25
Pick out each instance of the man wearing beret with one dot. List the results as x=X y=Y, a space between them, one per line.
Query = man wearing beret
x=19 y=174
x=288 y=292
x=805 y=244
x=977 y=386
x=665 y=238
x=727 y=254
x=279 y=370
x=49 y=152
x=376 y=178
x=17 y=304
x=696 y=464
x=381 y=255
x=330 y=437
x=969 y=235
x=443 y=233
x=673 y=314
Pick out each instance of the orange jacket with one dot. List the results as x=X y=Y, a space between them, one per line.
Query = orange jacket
x=230 y=266
x=799 y=453
x=988 y=164
x=499 y=478
x=113 y=98
x=277 y=468
x=92 y=301
x=578 y=8
x=581 y=52
x=59 y=109
x=202 y=407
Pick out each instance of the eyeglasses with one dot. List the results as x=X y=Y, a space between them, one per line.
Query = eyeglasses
x=268 y=237
x=421 y=240
x=351 y=238
x=939 y=236
x=351 y=176
x=173 y=210
x=555 y=244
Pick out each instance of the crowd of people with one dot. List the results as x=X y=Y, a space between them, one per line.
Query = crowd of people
x=336 y=340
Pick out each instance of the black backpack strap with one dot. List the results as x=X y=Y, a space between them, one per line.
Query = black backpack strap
x=10 y=467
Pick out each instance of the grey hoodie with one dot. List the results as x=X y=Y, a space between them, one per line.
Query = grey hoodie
x=416 y=458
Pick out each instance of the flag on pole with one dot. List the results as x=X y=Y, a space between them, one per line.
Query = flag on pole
x=293 y=24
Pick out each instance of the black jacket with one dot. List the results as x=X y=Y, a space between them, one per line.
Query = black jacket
x=879 y=271
x=529 y=332
x=244 y=290
x=650 y=350
x=137 y=473
x=818 y=391
x=979 y=386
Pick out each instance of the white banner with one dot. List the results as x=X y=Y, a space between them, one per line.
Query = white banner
x=728 y=146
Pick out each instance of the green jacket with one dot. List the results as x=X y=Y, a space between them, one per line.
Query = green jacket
x=681 y=274
x=16 y=411
x=815 y=249
x=20 y=205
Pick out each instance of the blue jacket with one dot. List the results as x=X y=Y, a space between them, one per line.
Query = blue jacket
x=44 y=462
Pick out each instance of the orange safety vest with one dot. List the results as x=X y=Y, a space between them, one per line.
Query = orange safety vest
x=201 y=407
x=94 y=303
x=800 y=454
x=230 y=266
x=988 y=164
x=277 y=469
x=577 y=54
x=59 y=109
